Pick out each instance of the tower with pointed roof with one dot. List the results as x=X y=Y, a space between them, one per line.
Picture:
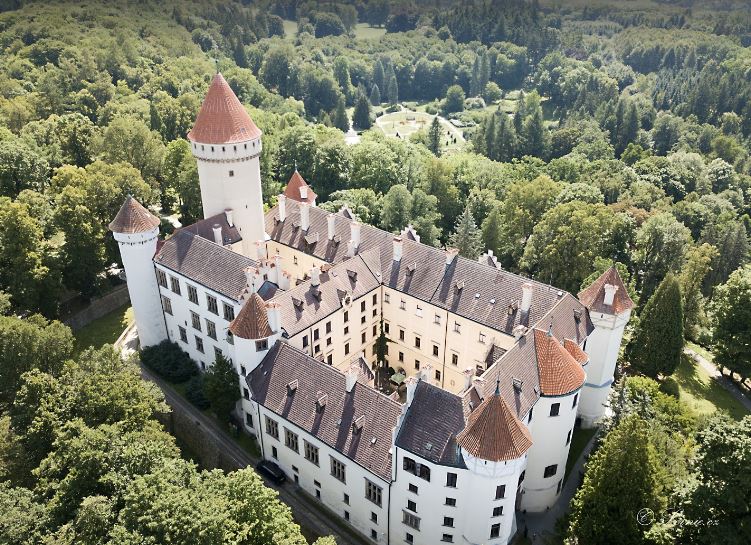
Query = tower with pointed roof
x=136 y=230
x=609 y=308
x=227 y=146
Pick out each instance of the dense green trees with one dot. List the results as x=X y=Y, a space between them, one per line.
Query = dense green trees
x=732 y=325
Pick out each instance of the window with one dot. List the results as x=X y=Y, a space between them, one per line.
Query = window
x=346 y=499
x=192 y=295
x=328 y=327
x=498 y=511
x=263 y=344
x=317 y=349
x=195 y=320
x=417 y=365
x=375 y=312
x=568 y=437
x=521 y=477
x=346 y=348
x=482 y=338
x=346 y=515
x=362 y=306
x=495 y=531
x=417 y=342
x=500 y=491
x=409 y=538
x=316 y=483
x=363 y=337
x=375 y=298
x=448 y=538
x=374 y=517
x=217 y=353
x=175 y=284
x=386 y=298
x=558 y=488
x=246 y=394
x=329 y=341
x=167 y=305
x=338 y=470
x=211 y=329
x=316 y=335
x=161 y=278
x=435 y=350
x=290 y=439
x=346 y=316
x=451 y=502
x=305 y=341
x=551 y=470
x=455 y=359
x=231 y=173
x=448 y=521
x=272 y=428
x=311 y=455
x=330 y=359
x=363 y=319
x=375 y=330
x=411 y=520
x=211 y=304
x=373 y=535
x=229 y=312
x=294 y=259
x=438 y=375
x=243 y=372
x=437 y=319
x=411 y=506
x=413 y=488
x=346 y=330
x=199 y=344
x=183 y=334
x=274 y=453
x=401 y=356
x=451 y=480
x=373 y=492
x=318 y=494
x=403 y=304
x=576 y=400
x=401 y=334
x=555 y=409
x=457 y=327
x=249 y=420
x=418 y=311
x=230 y=337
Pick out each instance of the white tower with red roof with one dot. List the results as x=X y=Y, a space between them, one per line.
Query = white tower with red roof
x=227 y=146
x=609 y=309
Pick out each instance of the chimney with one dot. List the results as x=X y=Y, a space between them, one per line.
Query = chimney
x=355 y=234
x=331 y=219
x=610 y=290
x=350 y=377
x=451 y=254
x=282 y=200
x=304 y=216
x=411 y=383
x=274 y=314
x=519 y=331
x=252 y=277
x=218 y=234
x=228 y=214
x=315 y=276
x=527 y=289
x=260 y=250
x=304 y=192
x=398 y=248
x=285 y=280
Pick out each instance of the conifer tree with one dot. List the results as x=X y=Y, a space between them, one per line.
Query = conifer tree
x=467 y=238
x=375 y=95
x=378 y=74
x=392 y=91
x=220 y=387
x=434 y=137
x=491 y=231
x=340 y=119
x=657 y=344
x=361 y=115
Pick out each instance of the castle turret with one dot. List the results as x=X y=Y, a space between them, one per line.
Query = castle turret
x=136 y=231
x=609 y=309
x=298 y=190
x=227 y=146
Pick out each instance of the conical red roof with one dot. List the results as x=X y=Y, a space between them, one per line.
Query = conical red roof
x=560 y=373
x=222 y=118
x=593 y=296
x=292 y=191
x=133 y=218
x=252 y=322
x=493 y=433
x=575 y=350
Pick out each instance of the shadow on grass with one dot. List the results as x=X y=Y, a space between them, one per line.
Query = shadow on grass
x=104 y=330
x=579 y=440
x=702 y=393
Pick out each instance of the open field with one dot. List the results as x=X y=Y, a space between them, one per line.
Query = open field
x=363 y=31
x=105 y=330
x=407 y=122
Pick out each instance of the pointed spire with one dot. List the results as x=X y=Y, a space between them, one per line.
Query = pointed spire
x=222 y=118
x=593 y=296
x=132 y=218
x=560 y=373
x=498 y=386
x=295 y=184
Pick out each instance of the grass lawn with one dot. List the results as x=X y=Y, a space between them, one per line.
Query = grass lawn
x=579 y=440
x=706 y=354
x=105 y=330
x=408 y=122
x=363 y=31
x=702 y=393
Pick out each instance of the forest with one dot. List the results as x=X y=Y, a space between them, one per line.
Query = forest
x=591 y=134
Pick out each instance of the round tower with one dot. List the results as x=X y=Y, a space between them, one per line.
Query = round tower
x=609 y=308
x=136 y=231
x=227 y=146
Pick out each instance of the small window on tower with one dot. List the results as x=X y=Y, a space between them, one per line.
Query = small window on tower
x=231 y=173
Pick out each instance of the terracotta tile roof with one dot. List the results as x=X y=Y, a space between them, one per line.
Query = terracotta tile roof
x=576 y=352
x=494 y=433
x=560 y=373
x=292 y=191
x=208 y=264
x=252 y=322
x=133 y=217
x=222 y=119
x=594 y=295
x=370 y=447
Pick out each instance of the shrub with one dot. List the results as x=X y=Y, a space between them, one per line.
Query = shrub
x=169 y=361
x=669 y=386
x=195 y=394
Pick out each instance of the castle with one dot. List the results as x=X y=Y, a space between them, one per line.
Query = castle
x=497 y=367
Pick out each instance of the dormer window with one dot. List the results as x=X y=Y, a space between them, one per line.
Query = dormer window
x=358 y=424
x=292 y=387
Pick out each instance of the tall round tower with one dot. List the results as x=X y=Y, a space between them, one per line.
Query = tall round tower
x=136 y=230
x=227 y=146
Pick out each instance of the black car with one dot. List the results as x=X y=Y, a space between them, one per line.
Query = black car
x=272 y=471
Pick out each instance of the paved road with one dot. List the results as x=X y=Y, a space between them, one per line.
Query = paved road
x=314 y=519
x=724 y=381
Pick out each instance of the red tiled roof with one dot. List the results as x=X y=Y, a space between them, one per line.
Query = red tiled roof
x=222 y=118
x=576 y=352
x=252 y=322
x=493 y=432
x=292 y=191
x=133 y=218
x=593 y=296
x=560 y=374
